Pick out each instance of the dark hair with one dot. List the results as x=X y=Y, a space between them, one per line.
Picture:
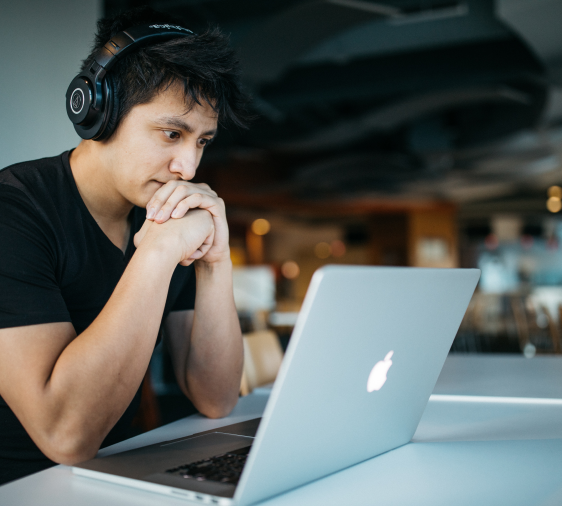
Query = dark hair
x=204 y=64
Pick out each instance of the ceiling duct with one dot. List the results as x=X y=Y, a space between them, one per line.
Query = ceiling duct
x=393 y=116
x=273 y=45
x=267 y=50
x=355 y=173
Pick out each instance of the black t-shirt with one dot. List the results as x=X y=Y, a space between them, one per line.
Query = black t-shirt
x=56 y=265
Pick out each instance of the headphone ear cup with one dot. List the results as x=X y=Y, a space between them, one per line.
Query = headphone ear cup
x=94 y=124
x=111 y=110
x=79 y=101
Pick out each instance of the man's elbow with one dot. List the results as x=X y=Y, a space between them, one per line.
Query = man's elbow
x=69 y=450
x=72 y=455
x=218 y=409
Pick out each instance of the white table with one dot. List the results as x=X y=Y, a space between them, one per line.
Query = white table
x=501 y=375
x=476 y=452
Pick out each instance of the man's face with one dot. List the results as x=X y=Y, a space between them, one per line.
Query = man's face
x=158 y=142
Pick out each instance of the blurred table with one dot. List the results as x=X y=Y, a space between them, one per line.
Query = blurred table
x=501 y=375
x=470 y=449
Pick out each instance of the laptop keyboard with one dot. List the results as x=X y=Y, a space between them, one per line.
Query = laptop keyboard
x=225 y=468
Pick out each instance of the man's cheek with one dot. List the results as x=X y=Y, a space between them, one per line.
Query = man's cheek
x=149 y=191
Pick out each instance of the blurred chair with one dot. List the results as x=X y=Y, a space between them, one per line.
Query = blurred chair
x=148 y=416
x=553 y=329
x=559 y=317
x=535 y=325
x=262 y=358
x=541 y=328
x=483 y=324
x=520 y=316
x=466 y=338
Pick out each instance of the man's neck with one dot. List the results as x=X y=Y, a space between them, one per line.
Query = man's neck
x=92 y=174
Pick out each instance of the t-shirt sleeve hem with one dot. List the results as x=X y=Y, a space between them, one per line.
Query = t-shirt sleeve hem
x=9 y=321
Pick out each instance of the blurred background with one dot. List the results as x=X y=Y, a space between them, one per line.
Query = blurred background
x=423 y=133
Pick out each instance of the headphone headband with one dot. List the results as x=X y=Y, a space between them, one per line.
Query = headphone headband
x=88 y=103
x=133 y=38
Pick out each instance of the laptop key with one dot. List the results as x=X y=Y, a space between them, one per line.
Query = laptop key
x=224 y=468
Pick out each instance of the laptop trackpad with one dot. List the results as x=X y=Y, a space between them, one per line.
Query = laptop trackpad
x=202 y=447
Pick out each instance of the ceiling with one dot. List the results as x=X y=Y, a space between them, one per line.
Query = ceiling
x=363 y=101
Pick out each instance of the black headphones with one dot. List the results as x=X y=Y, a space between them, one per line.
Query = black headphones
x=91 y=103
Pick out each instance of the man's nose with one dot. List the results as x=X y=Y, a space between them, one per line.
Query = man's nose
x=185 y=164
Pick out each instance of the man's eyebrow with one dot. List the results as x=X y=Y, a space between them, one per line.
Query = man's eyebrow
x=182 y=125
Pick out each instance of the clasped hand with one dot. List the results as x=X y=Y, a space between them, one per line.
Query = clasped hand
x=173 y=201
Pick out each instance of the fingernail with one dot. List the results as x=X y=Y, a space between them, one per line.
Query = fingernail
x=176 y=213
x=150 y=213
x=160 y=215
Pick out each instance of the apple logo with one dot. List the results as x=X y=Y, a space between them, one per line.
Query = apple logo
x=377 y=378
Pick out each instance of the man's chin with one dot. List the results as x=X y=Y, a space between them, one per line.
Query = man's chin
x=149 y=190
x=139 y=201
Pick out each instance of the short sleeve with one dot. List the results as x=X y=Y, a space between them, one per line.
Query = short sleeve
x=186 y=297
x=29 y=292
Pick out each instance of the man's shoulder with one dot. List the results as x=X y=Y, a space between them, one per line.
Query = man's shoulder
x=35 y=177
x=31 y=169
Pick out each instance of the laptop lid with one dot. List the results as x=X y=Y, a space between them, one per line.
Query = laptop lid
x=330 y=406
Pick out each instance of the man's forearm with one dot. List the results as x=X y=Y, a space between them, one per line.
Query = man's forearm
x=96 y=376
x=82 y=387
x=215 y=360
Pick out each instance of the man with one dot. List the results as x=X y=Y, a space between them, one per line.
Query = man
x=102 y=245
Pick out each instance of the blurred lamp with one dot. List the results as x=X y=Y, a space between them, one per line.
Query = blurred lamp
x=261 y=226
x=322 y=250
x=555 y=191
x=290 y=269
x=554 y=204
x=338 y=248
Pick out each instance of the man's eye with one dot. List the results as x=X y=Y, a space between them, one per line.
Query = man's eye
x=204 y=142
x=171 y=134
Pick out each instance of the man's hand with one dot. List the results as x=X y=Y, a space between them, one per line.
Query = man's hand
x=205 y=343
x=176 y=198
x=189 y=238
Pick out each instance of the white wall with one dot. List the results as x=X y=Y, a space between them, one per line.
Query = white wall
x=42 y=43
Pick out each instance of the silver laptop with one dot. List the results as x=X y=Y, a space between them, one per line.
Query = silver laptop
x=363 y=359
